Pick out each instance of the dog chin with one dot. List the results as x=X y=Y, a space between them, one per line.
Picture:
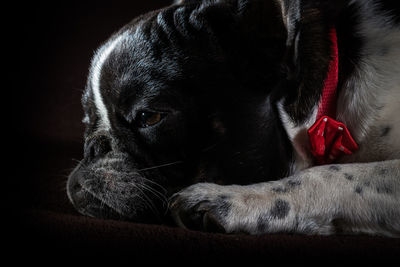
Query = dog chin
x=110 y=189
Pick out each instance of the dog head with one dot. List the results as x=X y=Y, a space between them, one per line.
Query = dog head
x=188 y=94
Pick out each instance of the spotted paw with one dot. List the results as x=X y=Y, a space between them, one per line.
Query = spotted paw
x=204 y=207
x=253 y=209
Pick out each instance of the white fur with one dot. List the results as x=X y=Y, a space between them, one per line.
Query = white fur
x=299 y=138
x=97 y=65
x=370 y=99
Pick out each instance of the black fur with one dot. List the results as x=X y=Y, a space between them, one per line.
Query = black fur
x=280 y=209
x=385 y=131
x=391 y=8
x=349 y=177
x=334 y=168
x=263 y=222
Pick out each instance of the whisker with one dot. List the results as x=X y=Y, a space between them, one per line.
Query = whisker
x=153 y=190
x=156 y=193
x=208 y=148
x=160 y=166
x=76 y=160
x=154 y=183
x=147 y=200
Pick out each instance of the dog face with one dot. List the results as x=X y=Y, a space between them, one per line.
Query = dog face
x=183 y=95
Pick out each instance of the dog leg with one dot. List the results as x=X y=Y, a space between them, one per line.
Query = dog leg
x=329 y=199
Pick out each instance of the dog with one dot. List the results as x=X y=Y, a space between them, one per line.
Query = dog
x=247 y=116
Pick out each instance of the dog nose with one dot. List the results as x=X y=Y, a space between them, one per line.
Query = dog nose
x=96 y=147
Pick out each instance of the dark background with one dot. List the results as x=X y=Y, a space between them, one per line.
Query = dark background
x=59 y=41
x=49 y=47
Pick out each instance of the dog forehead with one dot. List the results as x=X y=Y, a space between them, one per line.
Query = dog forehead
x=96 y=78
x=114 y=66
x=129 y=65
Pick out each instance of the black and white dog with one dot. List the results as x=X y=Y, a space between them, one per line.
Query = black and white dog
x=201 y=112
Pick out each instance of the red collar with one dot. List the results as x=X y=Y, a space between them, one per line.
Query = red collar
x=329 y=138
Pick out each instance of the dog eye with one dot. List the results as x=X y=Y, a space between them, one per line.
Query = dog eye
x=147 y=118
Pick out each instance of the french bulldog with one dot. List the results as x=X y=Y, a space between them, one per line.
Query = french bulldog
x=247 y=116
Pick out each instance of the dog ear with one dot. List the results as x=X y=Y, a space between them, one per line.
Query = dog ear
x=251 y=37
x=302 y=29
x=267 y=38
x=274 y=17
x=309 y=51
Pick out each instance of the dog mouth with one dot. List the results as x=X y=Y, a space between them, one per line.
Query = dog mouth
x=111 y=189
x=89 y=204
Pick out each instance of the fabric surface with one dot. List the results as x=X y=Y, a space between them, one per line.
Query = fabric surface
x=47 y=223
x=54 y=51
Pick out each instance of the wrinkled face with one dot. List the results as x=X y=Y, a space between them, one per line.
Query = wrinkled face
x=174 y=99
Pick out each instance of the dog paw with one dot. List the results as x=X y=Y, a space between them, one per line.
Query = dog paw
x=204 y=206
x=233 y=209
